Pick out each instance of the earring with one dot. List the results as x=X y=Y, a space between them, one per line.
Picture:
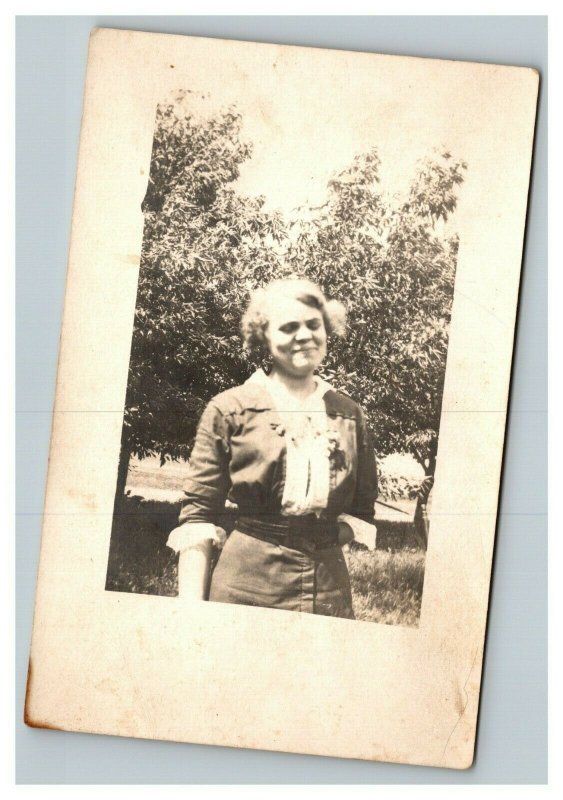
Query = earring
x=267 y=363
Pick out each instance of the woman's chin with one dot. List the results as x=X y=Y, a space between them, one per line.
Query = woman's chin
x=298 y=367
x=305 y=369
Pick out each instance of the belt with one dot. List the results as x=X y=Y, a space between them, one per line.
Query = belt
x=307 y=533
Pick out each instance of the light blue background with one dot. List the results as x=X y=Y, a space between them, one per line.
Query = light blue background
x=512 y=733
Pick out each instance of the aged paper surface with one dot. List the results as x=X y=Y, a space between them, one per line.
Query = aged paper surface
x=148 y=666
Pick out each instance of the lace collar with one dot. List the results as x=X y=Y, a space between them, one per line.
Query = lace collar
x=283 y=400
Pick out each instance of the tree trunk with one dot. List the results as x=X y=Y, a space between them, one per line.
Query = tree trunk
x=124 y=456
x=421 y=523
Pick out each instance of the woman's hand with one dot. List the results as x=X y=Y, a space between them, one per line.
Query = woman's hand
x=345 y=533
x=194 y=542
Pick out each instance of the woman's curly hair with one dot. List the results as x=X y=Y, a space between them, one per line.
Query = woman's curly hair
x=255 y=318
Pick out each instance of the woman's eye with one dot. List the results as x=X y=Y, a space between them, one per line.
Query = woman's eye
x=314 y=324
x=291 y=327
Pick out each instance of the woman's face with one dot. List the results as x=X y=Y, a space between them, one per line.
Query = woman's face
x=296 y=336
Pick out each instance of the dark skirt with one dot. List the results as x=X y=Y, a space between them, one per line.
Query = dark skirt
x=253 y=572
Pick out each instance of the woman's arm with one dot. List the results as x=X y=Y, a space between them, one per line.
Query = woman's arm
x=206 y=490
x=208 y=480
x=363 y=503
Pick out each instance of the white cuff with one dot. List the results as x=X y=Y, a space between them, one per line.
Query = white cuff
x=192 y=534
x=363 y=532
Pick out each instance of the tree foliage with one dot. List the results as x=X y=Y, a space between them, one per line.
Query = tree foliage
x=206 y=247
x=391 y=262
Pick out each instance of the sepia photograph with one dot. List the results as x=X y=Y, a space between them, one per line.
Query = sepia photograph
x=288 y=356
x=282 y=387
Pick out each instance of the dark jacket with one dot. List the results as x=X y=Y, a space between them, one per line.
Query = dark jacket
x=239 y=455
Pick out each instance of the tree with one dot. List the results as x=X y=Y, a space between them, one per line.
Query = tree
x=206 y=246
x=392 y=263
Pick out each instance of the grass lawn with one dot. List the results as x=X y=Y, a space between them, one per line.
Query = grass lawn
x=386 y=583
x=386 y=586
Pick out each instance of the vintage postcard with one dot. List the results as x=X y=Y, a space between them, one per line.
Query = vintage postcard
x=281 y=398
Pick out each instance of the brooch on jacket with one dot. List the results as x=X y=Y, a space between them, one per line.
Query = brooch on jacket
x=336 y=455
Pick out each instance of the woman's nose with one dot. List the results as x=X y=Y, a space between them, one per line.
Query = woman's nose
x=303 y=333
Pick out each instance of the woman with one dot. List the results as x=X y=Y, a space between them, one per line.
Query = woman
x=292 y=454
